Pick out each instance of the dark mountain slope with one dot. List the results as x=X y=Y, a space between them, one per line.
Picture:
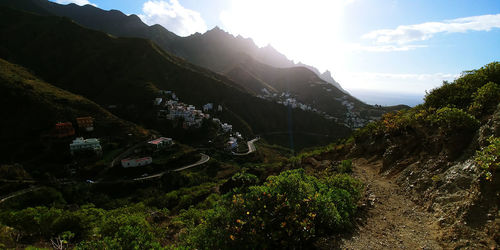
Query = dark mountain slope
x=113 y=22
x=128 y=72
x=216 y=49
x=30 y=108
x=221 y=52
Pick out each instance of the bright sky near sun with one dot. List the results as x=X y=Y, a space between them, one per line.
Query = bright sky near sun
x=397 y=46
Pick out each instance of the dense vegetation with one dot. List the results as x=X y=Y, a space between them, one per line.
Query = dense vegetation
x=447 y=121
x=290 y=209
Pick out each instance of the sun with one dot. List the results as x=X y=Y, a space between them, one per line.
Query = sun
x=306 y=31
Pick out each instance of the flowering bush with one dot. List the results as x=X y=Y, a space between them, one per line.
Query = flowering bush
x=287 y=210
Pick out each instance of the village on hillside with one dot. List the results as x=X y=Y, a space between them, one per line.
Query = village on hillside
x=85 y=148
x=352 y=118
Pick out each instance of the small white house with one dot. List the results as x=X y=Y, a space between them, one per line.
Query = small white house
x=158 y=101
x=219 y=108
x=232 y=143
x=131 y=163
x=226 y=127
x=208 y=106
x=161 y=142
x=238 y=135
x=80 y=144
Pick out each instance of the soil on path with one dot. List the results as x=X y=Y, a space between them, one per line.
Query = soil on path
x=390 y=220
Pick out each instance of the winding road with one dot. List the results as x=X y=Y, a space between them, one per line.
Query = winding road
x=18 y=193
x=204 y=158
x=251 y=147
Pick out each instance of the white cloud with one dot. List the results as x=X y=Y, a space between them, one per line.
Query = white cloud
x=173 y=16
x=382 y=48
x=407 y=83
x=79 y=2
x=420 y=32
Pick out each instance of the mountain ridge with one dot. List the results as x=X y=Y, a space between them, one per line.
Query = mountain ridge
x=119 y=24
x=129 y=72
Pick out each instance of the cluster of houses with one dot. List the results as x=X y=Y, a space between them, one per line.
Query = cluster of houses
x=285 y=99
x=352 y=118
x=85 y=124
x=155 y=145
x=172 y=109
x=226 y=128
x=66 y=129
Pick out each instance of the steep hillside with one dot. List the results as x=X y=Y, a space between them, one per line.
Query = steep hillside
x=128 y=72
x=116 y=23
x=30 y=108
x=444 y=155
x=221 y=52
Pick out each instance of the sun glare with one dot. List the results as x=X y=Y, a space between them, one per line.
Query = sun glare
x=306 y=31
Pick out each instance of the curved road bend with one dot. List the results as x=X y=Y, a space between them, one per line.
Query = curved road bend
x=18 y=193
x=251 y=148
x=204 y=158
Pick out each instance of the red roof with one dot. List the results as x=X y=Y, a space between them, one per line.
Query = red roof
x=159 y=140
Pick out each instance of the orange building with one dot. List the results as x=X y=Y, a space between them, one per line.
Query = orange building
x=85 y=123
x=64 y=129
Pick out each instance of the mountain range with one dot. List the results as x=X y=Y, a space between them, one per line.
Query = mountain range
x=129 y=72
x=263 y=72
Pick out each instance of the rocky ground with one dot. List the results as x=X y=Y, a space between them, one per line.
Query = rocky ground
x=393 y=217
x=389 y=219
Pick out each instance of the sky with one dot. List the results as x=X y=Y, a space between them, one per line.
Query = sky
x=396 y=49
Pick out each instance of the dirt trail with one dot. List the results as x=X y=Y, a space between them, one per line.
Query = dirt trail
x=392 y=220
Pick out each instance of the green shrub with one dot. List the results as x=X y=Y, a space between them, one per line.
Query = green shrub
x=369 y=130
x=453 y=120
x=239 y=181
x=485 y=99
x=288 y=210
x=345 y=166
x=459 y=93
x=488 y=158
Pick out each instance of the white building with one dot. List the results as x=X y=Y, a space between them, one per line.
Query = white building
x=158 y=101
x=226 y=127
x=208 y=106
x=232 y=143
x=80 y=144
x=161 y=142
x=130 y=163
x=238 y=135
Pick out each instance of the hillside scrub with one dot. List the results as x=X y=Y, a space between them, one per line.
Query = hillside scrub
x=488 y=158
x=288 y=210
x=446 y=122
